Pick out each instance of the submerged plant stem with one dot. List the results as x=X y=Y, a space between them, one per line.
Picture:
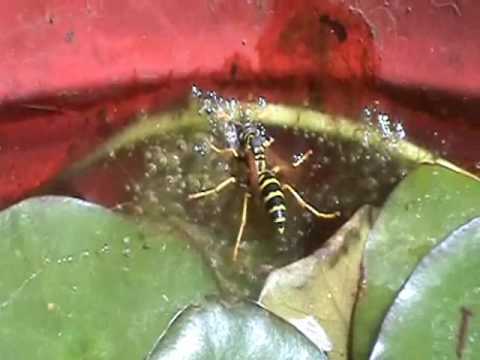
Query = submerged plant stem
x=342 y=128
x=347 y=129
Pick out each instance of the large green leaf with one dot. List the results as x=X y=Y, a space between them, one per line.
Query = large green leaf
x=218 y=331
x=429 y=204
x=323 y=286
x=79 y=282
x=435 y=315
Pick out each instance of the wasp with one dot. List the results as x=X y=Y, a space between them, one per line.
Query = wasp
x=252 y=141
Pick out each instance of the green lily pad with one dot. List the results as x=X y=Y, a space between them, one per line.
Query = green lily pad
x=435 y=315
x=322 y=287
x=217 y=331
x=429 y=204
x=80 y=282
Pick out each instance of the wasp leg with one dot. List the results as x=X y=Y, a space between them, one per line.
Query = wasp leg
x=215 y=190
x=243 y=222
x=302 y=158
x=304 y=204
x=224 y=151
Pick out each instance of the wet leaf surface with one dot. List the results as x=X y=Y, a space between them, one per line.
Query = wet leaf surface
x=437 y=313
x=319 y=291
x=217 y=331
x=78 y=281
x=430 y=203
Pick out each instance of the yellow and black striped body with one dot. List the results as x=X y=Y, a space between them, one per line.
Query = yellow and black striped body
x=273 y=198
x=269 y=186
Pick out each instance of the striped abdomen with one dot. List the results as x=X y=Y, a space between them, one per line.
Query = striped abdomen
x=273 y=198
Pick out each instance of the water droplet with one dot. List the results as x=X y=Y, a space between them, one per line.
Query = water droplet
x=105 y=249
x=262 y=102
x=201 y=148
x=196 y=91
x=182 y=145
x=151 y=169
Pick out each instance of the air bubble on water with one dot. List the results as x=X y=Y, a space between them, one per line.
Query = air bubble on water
x=170 y=179
x=300 y=233
x=193 y=183
x=174 y=161
x=201 y=148
x=296 y=157
x=181 y=145
x=231 y=135
x=151 y=169
x=377 y=121
x=399 y=131
x=138 y=210
x=160 y=158
x=105 y=249
x=308 y=217
x=196 y=91
x=137 y=188
x=262 y=102
x=325 y=160
x=152 y=196
x=367 y=114
x=390 y=129
x=316 y=166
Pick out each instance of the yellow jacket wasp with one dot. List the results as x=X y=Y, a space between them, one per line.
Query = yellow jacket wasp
x=247 y=141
